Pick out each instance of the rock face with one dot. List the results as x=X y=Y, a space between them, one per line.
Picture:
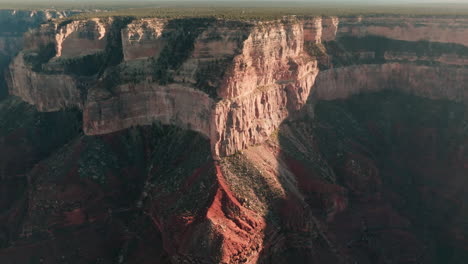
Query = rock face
x=378 y=178
x=47 y=92
x=425 y=81
x=445 y=30
x=143 y=39
x=422 y=56
x=13 y=24
x=271 y=78
x=234 y=82
x=81 y=38
x=145 y=103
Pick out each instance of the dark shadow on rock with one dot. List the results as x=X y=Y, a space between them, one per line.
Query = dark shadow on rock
x=379 y=180
x=4 y=62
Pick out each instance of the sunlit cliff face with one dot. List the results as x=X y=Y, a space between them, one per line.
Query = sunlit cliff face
x=318 y=140
x=234 y=82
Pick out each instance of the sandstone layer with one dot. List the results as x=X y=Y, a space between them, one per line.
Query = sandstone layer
x=425 y=81
x=13 y=24
x=232 y=81
x=434 y=29
x=253 y=75
x=47 y=92
x=418 y=55
x=378 y=178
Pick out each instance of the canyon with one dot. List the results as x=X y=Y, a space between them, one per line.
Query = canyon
x=321 y=139
x=234 y=82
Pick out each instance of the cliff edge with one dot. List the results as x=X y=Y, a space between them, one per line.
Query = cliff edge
x=232 y=81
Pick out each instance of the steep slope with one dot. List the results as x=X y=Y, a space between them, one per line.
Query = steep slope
x=232 y=81
x=403 y=156
x=421 y=56
x=13 y=24
x=196 y=140
x=195 y=75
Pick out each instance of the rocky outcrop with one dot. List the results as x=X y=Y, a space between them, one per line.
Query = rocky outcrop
x=232 y=81
x=309 y=191
x=256 y=74
x=143 y=39
x=313 y=29
x=330 y=28
x=13 y=24
x=47 y=92
x=269 y=80
x=47 y=73
x=145 y=103
x=81 y=38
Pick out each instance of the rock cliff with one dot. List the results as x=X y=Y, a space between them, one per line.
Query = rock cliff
x=13 y=24
x=376 y=178
x=419 y=55
x=195 y=73
x=232 y=81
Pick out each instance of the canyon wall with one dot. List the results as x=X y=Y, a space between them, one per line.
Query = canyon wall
x=424 y=56
x=430 y=82
x=47 y=92
x=13 y=24
x=145 y=103
x=313 y=192
x=234 y=82
x=270 y=78
x=428 y=28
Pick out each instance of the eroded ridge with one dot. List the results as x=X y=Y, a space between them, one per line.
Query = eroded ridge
x=232 y=81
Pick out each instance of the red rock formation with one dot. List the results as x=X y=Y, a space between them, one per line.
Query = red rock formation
x=267 y=73
x=145 y=103
x=270 y=192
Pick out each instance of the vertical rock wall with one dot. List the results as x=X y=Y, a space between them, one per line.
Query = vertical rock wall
x=270 y=79
x=234 y=82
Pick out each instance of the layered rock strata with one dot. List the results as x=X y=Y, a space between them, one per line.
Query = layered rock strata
x=424 y=56
x=315 y=192
x=421 y=80
x=232 y=81
x=13 y=25
x=428 y=28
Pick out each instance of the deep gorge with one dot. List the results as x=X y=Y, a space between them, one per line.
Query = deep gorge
x=297 y=140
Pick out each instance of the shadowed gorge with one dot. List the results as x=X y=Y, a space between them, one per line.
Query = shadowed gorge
x=214 y=135
x=391 y=152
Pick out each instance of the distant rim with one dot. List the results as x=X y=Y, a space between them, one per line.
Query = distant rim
x=147 y=8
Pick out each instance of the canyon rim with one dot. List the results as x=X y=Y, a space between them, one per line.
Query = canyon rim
x=219 y=139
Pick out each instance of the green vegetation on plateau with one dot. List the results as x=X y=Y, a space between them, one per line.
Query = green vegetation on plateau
x=96 y=160
x=42 y=56
x=180 y=45
x=271 y=13
x=235 y=9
